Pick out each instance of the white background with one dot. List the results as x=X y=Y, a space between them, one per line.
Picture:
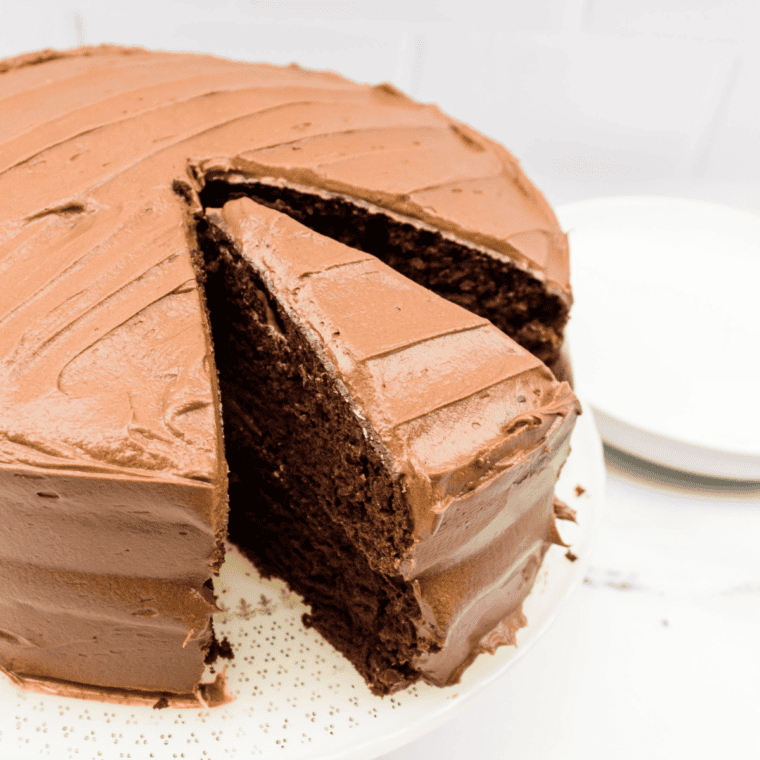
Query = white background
x=656 y=656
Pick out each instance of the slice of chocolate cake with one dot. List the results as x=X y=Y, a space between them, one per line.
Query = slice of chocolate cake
x=392 y=455
x=431 y=430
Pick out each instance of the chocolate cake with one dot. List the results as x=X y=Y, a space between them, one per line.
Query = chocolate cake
x=341 y=262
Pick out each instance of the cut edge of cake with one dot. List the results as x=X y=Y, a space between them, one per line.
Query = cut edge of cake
x=325 y=287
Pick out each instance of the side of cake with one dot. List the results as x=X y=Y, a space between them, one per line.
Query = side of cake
x=112 y=472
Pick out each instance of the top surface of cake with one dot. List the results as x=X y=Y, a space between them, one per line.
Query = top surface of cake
x=96 y=145
x=107 y=384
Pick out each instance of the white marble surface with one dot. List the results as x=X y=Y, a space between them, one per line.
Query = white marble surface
x=655 y=655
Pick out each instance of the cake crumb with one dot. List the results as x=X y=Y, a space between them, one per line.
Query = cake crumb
x=579 y=490
x=554 y=536
x=563 y=512
x=219 y=649
x=572 y=557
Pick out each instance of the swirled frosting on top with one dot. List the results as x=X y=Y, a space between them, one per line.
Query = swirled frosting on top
x=110 y=440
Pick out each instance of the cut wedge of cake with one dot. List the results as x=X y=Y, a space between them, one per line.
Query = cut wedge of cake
x=393 y=456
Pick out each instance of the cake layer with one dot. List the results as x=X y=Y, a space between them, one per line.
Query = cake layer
x=115 y=525
x=101 y=630
x=104 y=578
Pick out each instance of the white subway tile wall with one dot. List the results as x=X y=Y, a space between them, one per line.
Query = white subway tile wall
x=734 y=150
x=688 y=19
x=602 y=104
x=596 y=97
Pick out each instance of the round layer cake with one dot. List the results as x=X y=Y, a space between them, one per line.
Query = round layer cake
x=276 y=305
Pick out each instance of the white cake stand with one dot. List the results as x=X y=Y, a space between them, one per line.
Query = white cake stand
x=296 y=698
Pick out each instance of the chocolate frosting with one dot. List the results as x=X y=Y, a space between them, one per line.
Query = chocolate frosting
x=112 y=475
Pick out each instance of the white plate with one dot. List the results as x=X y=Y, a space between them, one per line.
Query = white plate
x=665 y=331
x=296 y=697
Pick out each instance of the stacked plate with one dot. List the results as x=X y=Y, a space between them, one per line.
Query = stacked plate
x=665 y=332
